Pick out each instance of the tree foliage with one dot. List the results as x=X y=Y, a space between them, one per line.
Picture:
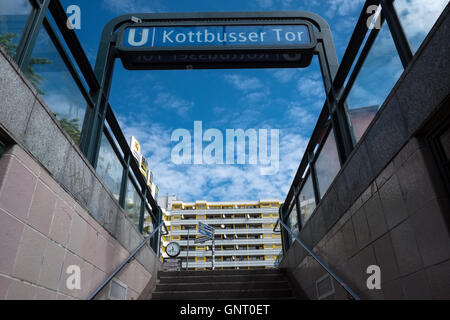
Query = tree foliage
x=71 y=126
x=7 y=41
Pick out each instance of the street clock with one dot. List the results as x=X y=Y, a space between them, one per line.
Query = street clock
x=173 y=249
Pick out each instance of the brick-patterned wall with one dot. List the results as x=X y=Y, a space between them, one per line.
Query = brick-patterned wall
x=388 y=206
x=397 y=224
x=43 y=230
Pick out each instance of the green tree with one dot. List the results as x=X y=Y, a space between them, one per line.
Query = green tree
x=7 y=41
x=71 y=126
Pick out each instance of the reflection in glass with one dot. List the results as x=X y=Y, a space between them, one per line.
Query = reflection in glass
x=132 y=203
x=361 y=119
x=148 y=223
x=327 y=164
x=55 y=84
x=307 y=200
x=13 y=20
x=379 y=73
x=292 y=223
x=418 y=17
x=109 y=167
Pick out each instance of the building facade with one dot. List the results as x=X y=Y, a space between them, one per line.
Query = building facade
x=244 y=237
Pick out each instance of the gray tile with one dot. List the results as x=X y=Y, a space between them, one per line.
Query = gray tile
x=415 y=182
x=317 y=226
x=19 y=290
x=375 y=217
x=393 y=290
x=52 y=266
x=393 y=202
x=384 y=253
x=362 y=231
x=350 y=244
x=416 y=286
x=439 y=280
x=49 y=146
x=407 y=151
x=386 y=136
x=405 y=247
x=29 y=257
x=17 y=100
x=431 y=233
x=385 y=175
x=358 y=172
x=367 y=258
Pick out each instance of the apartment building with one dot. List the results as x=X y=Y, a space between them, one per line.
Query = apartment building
x=244 y=237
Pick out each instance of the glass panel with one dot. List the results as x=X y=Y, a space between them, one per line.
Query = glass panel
x=292 y=223
x=13 y=20
x=327 y=164
x=109 y=168
x=52 y=79
x=132 y=203
x=380 y=72
x=148 y=223
x=307 y=200
x=418 y=17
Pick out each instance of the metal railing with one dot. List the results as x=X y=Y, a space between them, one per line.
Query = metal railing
x=127 y=260
x=353 y=60
x=312 y=254
x=50 y=18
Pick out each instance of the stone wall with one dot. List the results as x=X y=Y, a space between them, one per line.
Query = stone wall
x=388 y=205
x=54 y=208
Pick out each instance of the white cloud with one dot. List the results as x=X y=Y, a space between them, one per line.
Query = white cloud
x=300 y=115
x=310 y=87
x=419 y=16
x=132 y=6
x=14 y=7
x=343 y=7
x=243 y=83
x=213 y=182
x=169 y=101
x=284 y=75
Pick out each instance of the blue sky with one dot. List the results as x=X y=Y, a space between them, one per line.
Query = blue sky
x=152 y=104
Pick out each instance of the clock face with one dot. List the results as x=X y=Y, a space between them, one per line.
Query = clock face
x=173 y=249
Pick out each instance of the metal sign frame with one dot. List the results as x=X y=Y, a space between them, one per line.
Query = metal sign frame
x=109 y=51
x=307 y=50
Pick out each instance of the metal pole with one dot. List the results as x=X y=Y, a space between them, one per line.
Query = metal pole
x=213 y=243
x=187 y=255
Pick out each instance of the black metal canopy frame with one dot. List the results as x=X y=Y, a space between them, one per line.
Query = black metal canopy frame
x=321 y=39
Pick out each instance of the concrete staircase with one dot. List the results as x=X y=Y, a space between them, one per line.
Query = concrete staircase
x=264 y=284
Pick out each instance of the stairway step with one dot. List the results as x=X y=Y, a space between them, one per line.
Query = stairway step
x=221 y=278
x=220 y=272
x=205 y=286
x=224 y=294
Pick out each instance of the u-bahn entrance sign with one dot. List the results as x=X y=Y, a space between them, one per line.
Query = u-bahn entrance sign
x=216 y=46
x=215 y=41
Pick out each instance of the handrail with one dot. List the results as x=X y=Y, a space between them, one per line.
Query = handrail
x=132 y=254
x=327 y=269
